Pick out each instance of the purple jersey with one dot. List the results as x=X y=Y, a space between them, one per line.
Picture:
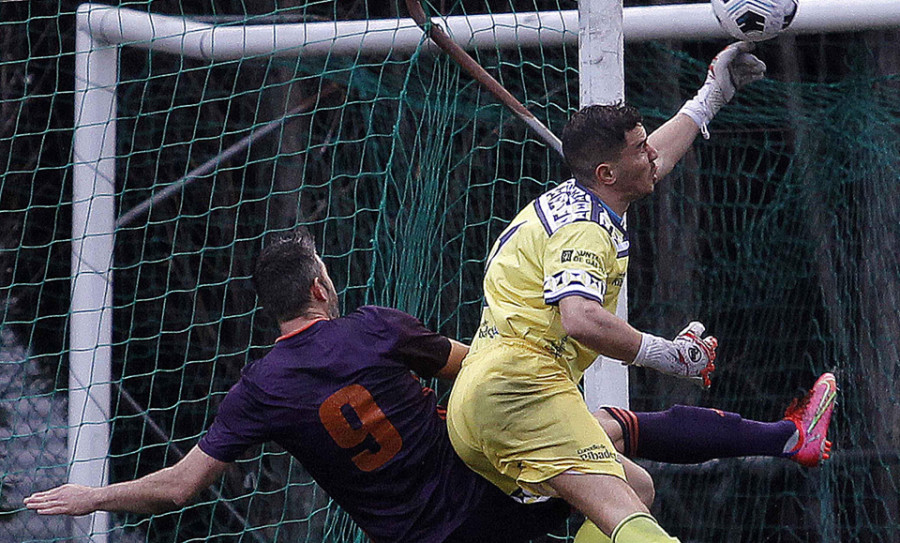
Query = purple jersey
x=340 y=398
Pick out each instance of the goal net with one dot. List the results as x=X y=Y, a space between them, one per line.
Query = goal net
x=780 y=233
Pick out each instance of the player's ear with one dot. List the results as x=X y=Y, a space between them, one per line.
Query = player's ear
x=604 y=174
x=318 y=291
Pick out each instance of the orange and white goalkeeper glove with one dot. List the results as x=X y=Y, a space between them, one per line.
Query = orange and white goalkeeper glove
x=689 y=355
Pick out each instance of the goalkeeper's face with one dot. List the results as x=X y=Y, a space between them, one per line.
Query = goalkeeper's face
x=635 y=168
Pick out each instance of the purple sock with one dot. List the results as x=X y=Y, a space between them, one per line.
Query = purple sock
x=689 y=435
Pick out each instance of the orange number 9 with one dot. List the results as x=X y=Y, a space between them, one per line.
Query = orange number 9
x=373 y=423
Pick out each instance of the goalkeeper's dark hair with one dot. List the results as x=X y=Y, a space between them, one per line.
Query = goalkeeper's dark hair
x=596 y=134
x=285 y=271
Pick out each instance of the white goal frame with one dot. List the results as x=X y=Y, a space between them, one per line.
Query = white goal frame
x=101 y=30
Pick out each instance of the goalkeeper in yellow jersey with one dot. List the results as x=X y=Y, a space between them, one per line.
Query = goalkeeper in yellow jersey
x=551 y=284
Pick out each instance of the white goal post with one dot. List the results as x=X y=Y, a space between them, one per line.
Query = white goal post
x=101 y=30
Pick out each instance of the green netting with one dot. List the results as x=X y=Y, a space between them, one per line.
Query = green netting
x=780 y=233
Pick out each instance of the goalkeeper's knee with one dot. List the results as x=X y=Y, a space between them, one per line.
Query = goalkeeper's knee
x=636 y=528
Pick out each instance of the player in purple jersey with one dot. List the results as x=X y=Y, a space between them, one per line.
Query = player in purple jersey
x=337 y=393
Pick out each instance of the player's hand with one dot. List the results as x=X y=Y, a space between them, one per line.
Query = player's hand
x=67 y=499
x=689 y=356
x=733 y=68
x=696 y=353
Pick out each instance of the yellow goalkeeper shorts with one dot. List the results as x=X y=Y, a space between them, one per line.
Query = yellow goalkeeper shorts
x=516 y=418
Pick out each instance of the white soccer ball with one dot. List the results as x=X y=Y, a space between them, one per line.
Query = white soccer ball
x=754 y=20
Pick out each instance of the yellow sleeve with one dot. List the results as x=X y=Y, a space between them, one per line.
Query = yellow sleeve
x=578 y=259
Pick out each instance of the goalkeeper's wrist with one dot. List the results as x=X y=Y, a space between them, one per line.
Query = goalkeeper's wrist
x=652 y=351
x=699 y=112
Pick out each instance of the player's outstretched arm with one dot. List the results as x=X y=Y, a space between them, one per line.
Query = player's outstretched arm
x=160 y=491
x=733 y=68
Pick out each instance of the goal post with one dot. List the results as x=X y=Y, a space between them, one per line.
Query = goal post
x=601 y=62
x=93 y=225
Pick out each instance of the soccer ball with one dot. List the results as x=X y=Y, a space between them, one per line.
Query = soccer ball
x=754 y=20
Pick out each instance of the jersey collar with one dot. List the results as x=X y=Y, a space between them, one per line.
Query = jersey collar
x=617 y=220
x=299 y=330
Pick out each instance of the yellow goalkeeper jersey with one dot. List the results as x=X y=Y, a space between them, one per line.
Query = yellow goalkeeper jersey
x=567 y=242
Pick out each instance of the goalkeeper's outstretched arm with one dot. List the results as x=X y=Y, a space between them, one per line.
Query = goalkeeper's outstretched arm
x=733 y=68
x=164 y=490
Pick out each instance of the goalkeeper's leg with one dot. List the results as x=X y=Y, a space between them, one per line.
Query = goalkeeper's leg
x=610 y=505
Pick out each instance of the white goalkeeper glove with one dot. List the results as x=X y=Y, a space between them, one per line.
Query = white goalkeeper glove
x=689 y=355
x=730 y=70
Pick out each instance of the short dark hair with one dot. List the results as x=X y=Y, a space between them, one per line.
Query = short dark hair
x=596 y=134
x=285 y=271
